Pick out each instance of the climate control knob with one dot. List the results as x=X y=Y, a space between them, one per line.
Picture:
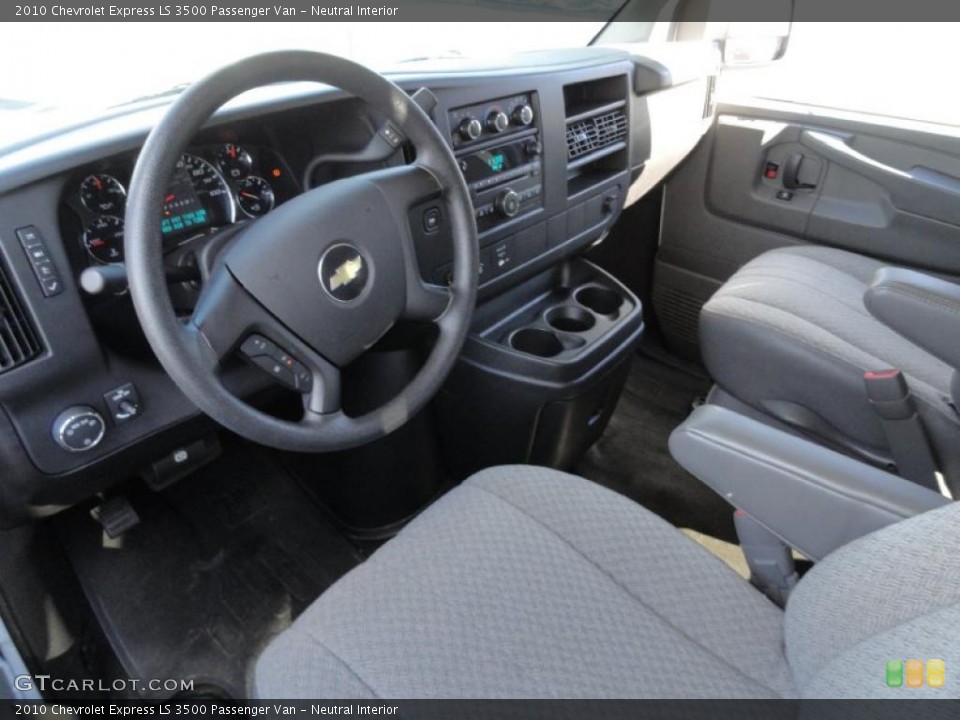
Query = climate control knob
x=508 y=204
x=497 y=121
x=79 y=428
x=470 y=128
x=522 y=114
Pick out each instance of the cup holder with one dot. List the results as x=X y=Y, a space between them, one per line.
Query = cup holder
x=570 y=318
x=535 y=341
x=599 y=299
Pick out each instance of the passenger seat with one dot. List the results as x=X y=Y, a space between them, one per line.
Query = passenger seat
x=791 y=336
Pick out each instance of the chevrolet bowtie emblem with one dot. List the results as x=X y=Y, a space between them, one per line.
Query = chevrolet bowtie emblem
x=346 y=273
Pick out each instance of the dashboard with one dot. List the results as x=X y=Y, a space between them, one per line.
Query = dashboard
x=549 y=146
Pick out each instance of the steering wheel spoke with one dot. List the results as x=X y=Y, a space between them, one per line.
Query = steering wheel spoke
x=225 y=315
x=425 y=303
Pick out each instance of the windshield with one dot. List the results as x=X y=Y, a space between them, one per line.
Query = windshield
x=89 y=67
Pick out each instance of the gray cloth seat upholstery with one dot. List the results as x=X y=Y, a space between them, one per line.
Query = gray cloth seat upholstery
x=528 y=582
x=789 y=335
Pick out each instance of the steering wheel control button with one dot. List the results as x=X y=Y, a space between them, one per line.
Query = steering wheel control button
x=432 y=220
x=79 y=428
x=257 y=345
x=393 y=136
x=344 y=272
x=37 y=253
x=279 y=364
x=123 y=404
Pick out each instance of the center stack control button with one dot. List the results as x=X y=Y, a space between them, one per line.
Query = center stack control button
x=497 y=121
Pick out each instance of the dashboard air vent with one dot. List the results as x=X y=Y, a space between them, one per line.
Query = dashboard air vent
x=18 y=341
x=588 y=135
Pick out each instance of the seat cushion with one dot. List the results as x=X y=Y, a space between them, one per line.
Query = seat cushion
x=893 y=594
x=527 y=582
x=790 y=330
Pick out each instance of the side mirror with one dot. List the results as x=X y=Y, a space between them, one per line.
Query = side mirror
x=749 y=44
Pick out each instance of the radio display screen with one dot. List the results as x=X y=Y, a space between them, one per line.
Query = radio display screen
x=483 y=164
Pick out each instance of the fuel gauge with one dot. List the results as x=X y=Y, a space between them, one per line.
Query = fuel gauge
x=255 y=196
x=103 y=239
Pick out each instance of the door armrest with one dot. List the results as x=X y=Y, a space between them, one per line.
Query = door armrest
x=921 y=308
x=812 y=498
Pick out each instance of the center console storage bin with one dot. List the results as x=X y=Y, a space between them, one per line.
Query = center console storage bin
x=541 y=371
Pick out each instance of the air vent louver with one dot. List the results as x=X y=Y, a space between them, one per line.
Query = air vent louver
x=591 y=134
x=18 y=341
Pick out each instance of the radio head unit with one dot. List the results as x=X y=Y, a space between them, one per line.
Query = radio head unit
x=498 y=147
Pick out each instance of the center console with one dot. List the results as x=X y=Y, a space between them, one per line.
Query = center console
x=548 y=169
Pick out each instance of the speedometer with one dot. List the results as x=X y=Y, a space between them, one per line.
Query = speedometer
x=197 y=197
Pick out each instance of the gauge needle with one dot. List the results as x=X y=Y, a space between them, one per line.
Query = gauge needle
x=249 y=195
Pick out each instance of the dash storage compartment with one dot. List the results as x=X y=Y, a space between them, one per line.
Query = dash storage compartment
x=541 y=371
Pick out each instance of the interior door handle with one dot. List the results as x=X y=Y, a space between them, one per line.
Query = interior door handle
x=791 y=173
x=920 y=190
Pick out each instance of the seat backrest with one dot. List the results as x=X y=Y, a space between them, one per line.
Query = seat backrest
x=893 y=595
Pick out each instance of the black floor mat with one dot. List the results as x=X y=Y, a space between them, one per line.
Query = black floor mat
x=632 y=456
x=219 y=563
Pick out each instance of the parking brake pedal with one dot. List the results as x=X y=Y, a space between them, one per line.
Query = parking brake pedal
x=116 y=516
x=772 y=569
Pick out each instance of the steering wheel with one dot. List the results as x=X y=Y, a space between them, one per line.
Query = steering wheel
x=316 y=282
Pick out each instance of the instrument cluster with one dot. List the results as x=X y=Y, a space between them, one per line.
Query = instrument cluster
x=211 y=187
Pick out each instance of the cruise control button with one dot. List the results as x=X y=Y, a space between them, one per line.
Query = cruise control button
x=303 y=377
x=256 y=345
x=277 y=370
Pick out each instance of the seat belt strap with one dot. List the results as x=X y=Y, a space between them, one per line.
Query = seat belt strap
x=890 y=397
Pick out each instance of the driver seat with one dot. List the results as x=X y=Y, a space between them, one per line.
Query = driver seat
x=527 y=582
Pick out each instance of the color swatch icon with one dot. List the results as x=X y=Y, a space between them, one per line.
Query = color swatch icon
x=911 y=673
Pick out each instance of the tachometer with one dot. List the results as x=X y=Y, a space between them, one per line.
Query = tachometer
x=197 y=197
x=255 y=196
x=103 y=239
x=234 y=161
x=102 y=194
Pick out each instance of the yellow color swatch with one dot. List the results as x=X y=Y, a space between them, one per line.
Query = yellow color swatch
x=936 y=671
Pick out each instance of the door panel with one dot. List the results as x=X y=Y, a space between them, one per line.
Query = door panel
x=768 y=177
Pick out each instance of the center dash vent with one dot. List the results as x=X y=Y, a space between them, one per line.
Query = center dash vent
x=18 y=341
x=586 y=136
